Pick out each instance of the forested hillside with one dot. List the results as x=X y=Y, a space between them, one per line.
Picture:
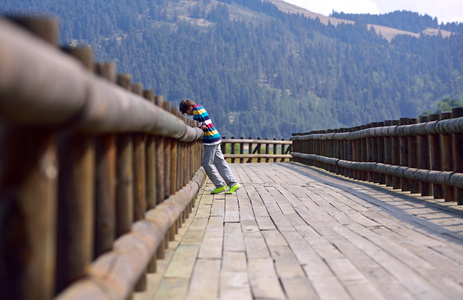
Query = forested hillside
x=403 y=20
x=259 y=71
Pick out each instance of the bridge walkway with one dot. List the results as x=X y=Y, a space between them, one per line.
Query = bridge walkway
x=296 y=232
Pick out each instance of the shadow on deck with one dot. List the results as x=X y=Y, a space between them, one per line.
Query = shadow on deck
x=295 y=232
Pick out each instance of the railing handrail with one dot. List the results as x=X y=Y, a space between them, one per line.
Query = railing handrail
x=65 y=93
x=247 y=141
x=433 y=127
x=417 y=155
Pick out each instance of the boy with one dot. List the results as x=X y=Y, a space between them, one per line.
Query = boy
x=213 y=159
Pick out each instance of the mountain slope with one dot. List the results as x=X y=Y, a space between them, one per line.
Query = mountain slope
x=258 y=70
x=387 y=32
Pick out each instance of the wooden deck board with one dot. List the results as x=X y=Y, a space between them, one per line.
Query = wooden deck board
x=294 y=232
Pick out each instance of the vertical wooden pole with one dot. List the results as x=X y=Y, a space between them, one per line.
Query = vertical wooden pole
x=350 y=154
x=446 y=158
x=28 y=193
x=413 y=157
x=160 y=174
x=395 y=156
x=150 y=161
x=241 y=150
x=438 y=191
x=388 y=152
x=139 y=176
x=403 y=142
x=274 y=150
x=75 y=198
x=259 y=146
x=150 y=175
x=458 y=154
x=424 y=157
x=381 y=155
x=364 y=153
x=124 y=173
x=232 y=150
x=105 y=179
x=267 y=151
x=173 y=176
x=374 y=153
x=28 y=183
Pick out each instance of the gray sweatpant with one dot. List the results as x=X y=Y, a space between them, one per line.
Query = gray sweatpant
x=214 y=161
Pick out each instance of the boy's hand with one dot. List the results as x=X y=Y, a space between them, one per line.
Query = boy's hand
x=203 y=127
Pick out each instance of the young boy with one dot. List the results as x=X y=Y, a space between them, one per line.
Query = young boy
x=213 y=159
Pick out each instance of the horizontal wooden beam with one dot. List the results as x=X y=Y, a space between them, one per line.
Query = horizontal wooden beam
x=431 y=176
x=257 y=156
x=40 y=85
x=250 y=141
x=447 y=126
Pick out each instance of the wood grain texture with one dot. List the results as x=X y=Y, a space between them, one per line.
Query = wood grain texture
x=295 y=232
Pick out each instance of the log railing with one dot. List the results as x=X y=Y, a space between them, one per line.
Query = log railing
x=418 y=155
x=251 y=150
x=96 y=173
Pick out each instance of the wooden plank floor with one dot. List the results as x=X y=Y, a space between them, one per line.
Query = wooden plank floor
x=294 y=232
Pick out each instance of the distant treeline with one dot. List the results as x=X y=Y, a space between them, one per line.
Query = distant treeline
x=403 y=20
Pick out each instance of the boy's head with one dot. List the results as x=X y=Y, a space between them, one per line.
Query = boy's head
x=185 y=106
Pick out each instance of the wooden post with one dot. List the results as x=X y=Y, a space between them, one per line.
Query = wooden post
x=160 y=174
x=267 y=150
x=105 y=179
x=250 y=151
x=446 y=158
x=150 y=161
x=124 y=173
x=274 y=150
x=28 y=184
x=364 y=154
x=438 y=191
x=388 y=152
x=75 y=198
x=350 y=154
x=241 y=150
x=424 y=157
x=381 y=155
x=167 y=160
x=139 y=193
x=173 y=175
x=150 y=175
x=374 y=153
x=259 y=146
x=395 y=156
x=355 y=155
x=403 y=142
x=413 y=157
x=458 y=154
x=232 y=150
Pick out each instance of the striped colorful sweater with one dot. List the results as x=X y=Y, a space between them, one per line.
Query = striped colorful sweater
x=211 y=135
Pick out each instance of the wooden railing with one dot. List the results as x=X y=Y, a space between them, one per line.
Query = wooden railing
x=418 y=155
x=95 y=177
x=250 y=150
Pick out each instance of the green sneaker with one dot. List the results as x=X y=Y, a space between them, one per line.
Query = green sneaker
x=219 y=189
x=233 y=189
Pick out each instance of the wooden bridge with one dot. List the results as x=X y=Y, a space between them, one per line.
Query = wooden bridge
x=102 y=195
x=296 y=232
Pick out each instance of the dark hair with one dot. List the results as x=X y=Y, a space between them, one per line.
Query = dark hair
x=184 y=104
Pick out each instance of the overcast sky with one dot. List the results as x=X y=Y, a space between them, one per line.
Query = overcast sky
x=444 y=10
